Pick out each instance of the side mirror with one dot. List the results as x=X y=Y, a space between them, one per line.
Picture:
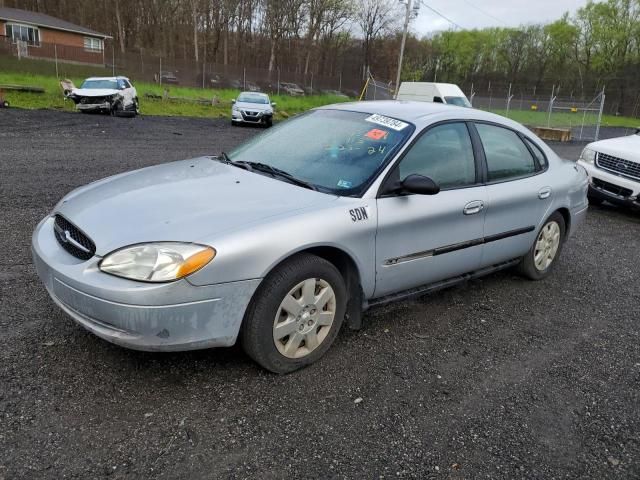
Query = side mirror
x=233 y=101
x=273 y=104
x=419 y=184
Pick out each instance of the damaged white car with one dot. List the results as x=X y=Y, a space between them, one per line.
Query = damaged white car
x=114 y=95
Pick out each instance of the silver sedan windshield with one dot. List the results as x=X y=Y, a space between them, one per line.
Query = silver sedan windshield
x=337 y=151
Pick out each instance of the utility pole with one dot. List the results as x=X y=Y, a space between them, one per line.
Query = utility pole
x=404 y=40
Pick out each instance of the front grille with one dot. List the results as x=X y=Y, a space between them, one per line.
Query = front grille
x=72 y=239
x=611 y=188
x=93 y=100
x=623 y=167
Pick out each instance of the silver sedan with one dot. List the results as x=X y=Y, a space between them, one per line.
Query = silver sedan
x=279 y=242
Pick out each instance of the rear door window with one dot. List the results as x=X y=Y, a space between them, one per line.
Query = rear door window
x=507 y=155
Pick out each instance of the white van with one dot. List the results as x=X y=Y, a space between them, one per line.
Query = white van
x=433 y=92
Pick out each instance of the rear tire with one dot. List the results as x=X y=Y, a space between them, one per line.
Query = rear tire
x=547 y=246
x=295 y=315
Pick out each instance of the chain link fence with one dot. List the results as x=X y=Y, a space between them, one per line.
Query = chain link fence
x=144 y=66
x=377 y=90
x=545 y=107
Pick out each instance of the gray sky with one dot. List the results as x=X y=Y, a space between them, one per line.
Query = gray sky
x=498 y=13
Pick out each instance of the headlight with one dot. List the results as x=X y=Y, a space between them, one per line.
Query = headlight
x=235 y=109
x=588 y=155
x=157 y=262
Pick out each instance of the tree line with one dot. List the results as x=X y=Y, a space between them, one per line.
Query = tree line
x=597 y=46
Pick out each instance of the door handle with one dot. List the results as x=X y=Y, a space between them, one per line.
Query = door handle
x=473 y=207
x=544 y=192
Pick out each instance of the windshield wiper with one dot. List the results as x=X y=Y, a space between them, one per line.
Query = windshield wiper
x=263 y=167
x=224 y=158
x=276 y=172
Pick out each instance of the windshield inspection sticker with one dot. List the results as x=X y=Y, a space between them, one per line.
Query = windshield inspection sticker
x=344 y=184
x=376 y=134
x=392 y=123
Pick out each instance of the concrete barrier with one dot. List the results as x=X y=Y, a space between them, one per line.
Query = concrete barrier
x=553 y=134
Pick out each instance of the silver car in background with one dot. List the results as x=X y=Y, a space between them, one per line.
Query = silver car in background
x=252 y=107
x=302 y=228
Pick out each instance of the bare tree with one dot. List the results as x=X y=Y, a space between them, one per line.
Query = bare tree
x=375 y=17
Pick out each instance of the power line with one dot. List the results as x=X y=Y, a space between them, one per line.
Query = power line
x=438 y=13
x=484 y=12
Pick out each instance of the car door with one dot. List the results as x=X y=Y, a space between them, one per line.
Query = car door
x=518 y=192
x=425 y=238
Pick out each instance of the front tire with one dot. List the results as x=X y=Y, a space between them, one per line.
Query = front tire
x=543 y=255
x=295 y=314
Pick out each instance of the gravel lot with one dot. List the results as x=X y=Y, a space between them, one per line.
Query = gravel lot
x=499 y=378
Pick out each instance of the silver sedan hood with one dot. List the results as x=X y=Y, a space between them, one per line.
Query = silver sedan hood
x=190 y=200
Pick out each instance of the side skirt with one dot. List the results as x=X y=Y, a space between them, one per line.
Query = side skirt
x=433 y=287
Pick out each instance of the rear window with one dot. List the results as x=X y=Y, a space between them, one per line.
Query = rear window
x=542 y=160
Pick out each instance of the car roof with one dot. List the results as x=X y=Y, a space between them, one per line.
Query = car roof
x=254 y=93
x=119 y=77
x=420 y=113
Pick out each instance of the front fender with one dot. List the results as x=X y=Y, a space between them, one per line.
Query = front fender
x=252 y=252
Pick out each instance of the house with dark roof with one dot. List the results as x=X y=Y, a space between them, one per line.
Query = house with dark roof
x=33 y=34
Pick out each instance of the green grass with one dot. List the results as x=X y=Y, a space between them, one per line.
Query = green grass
x=562 y=119
x=53 y=99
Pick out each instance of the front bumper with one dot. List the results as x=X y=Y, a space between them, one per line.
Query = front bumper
x=611 y=187
x=143 y=316
x=243 y=117
x=91 y=107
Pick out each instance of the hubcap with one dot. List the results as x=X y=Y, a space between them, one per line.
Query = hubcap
x=304 y=318
x=546 y=246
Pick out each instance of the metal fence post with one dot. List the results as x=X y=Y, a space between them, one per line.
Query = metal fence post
x=340 y=82
x=278 y=81
x=551 y=100
x=113 y=59
x=602 y=97
x=55 y=51
x=244 y=78
x=160 y=73
x=311 y=86
x=204 y=69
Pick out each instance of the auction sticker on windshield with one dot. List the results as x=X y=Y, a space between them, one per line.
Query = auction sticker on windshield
x=392 y=123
